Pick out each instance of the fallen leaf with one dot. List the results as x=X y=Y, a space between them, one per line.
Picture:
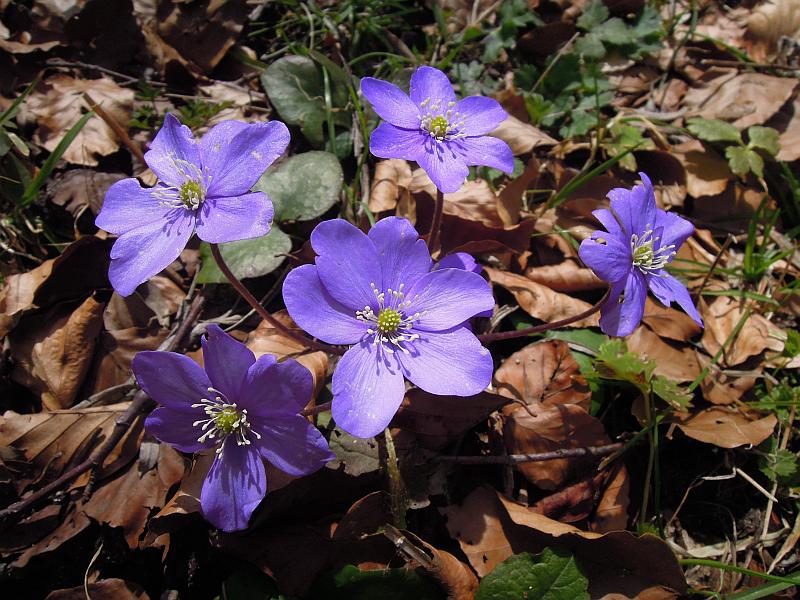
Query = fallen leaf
x=727 y=428
x=522 y=137
x=668 y=322
x=673 y=361
x=566 y=276
x=756 y=336
x=59 y=108
x=540 y=301
x=707 y=173
x=107 y=589
x=510 y=198
x=391 y=180
x=787 y=122
x=611 y=513
x=455 y=577
x=768 y=22
x=79 y=189
x=474 y=200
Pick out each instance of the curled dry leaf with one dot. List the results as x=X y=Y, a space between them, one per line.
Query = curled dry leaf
x=455 y=577
x=540 y=301
x=474 y=201
x=722 y=388
x=707 y=173
x=673 y=361
x=391 y=181
x=79 y=189
x=60 y=107
x=727 y=428
x=756 y=336
x=107 y=589
x=611 y=513
x=510 y=198
x=522 y=137
x=53 y=352
x=786 y=121
x=566 y=276
x=746 y=99
x=668 y=322
x=768 y=22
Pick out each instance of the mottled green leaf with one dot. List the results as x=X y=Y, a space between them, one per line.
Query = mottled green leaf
x=246 y=258
x=551 y=575
x=593 y=16
x=351 y=583
x=743 y=160
x=714 y=130
x=765 y=138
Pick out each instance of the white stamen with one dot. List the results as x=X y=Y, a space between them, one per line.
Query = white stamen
x=219 y=406
x=191 y=192
x=401 y=332
x=646 y=257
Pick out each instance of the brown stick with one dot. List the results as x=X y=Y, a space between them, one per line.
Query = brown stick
x=509 y=335
x=140 y=403
x=516 y=459
x=436 y=223
x=116 y=127
x=315 y=410
x=263 y=313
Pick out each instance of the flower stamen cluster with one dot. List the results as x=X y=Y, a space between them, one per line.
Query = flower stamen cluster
x=224 y=419
x=646 y=257
x=191 y=193
x=441 y=126
x=392 y=324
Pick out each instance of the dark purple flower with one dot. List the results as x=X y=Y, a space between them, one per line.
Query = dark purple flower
x=632 y=255
x=204 y=187
x=379 y=293
x=442 y=135
x=246 y=409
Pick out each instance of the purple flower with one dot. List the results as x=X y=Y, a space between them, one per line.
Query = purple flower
x=246 y=409
x=204 y=187
x=442 y=135
x=379 y=293
x=632 y=255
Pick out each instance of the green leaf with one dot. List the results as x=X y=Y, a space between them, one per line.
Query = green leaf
x=615 y=362
x=671 y=393
x=296 y=87
x=616 y=32
x=780 y=465
x=359 y=455
x=580 y=124
x=743 y=160
x=765 y=138
x=590 y=46
x=649 y=24
x=303 y=186
x=351 y=583
x=714 y=130
x=551 y=575
x=593 y=16
x=246 y=258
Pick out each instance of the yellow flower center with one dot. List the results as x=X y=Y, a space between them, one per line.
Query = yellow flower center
x=191 y=194
x=227 y=420
x=437 y=127
x=389 y=320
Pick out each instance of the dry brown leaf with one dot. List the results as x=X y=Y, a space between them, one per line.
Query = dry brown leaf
x=474 y=201
x=673 y=361
x=392 y=180
x=437 y=420
x=707 y=173
x=768 y=22
x=745 y=99
x=756 y=336
x=540 y=301
x=78 y=189
x=17 y=294
x=74 y=524
x=455 y=577
x=611 y=513
x=729 y=211
x=60 y=107
x=721 y=388
x=727 y=428
x=510 y=198
x=787 y=121
x=669 y=322
x=566 y=276
x=107 y=589
x=522 y=137
x=535 y=428
x=266 y=340
x=53 y=352
x=543 y=373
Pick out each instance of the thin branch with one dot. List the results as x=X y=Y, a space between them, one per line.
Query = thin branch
x=315 y=410
x=436 y=223
x=516 y=459
x=263 y=313
x=116 y=127
x=509 y=335
x=140 y=403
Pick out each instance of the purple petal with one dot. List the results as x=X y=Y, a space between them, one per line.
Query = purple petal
x=668 y=289
x=273 y=389
x=480 y=114
x=636 y=208
x=620 y=318
x=127 y=205
x=314 y=309
x=443 y=164
x=347 y=264
x=611 y=261
x=173 y=380
x=233 y=488
x=147 y=250
x=448 y=297
x=607 y=220
x=225 y=219
x=173 y=141
x=391 y=103
x=176 y=428
x=226 y=361
x=459 y=260
x=428 y=83
x=293 y=445
x=676 y=229
x=388 y=141
x=485 y=151
x=236 y=154
x=451 y=363
x=404 y=257
x=366 y=391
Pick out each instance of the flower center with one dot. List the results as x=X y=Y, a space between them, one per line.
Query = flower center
x=394 y=322
x=191 y=194
x=224 y=419
x=646 y=257
x=188 y=195
x=441 y=126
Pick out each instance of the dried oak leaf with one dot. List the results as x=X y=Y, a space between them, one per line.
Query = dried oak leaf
x=53 y=352
x=60 y=107
x=107 y=589
x=787 y=122
x=566 y=276
x=509 y=200
x=455 y=577
x=745 y=99
x=727 y=428
x=669 y=322
x=707 y=173
x=540 y=301
x=79 y=189
x=673 y=361
x=756 y=336
x=522 y=137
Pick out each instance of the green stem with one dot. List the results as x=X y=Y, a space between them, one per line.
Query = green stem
x=397 y=489
x=715 y=564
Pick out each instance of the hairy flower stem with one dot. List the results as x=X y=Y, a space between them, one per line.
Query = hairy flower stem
x=510 y=335
x=436 y=223
x=263 y=313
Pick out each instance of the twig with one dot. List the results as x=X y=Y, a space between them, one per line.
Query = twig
x=509 y=335
x=713 y=266
x=315 y=410
x=116 y=127
x=263 y=313
x=140 y=403
x=712 y=62
x=516 y=459
x=436 y=223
